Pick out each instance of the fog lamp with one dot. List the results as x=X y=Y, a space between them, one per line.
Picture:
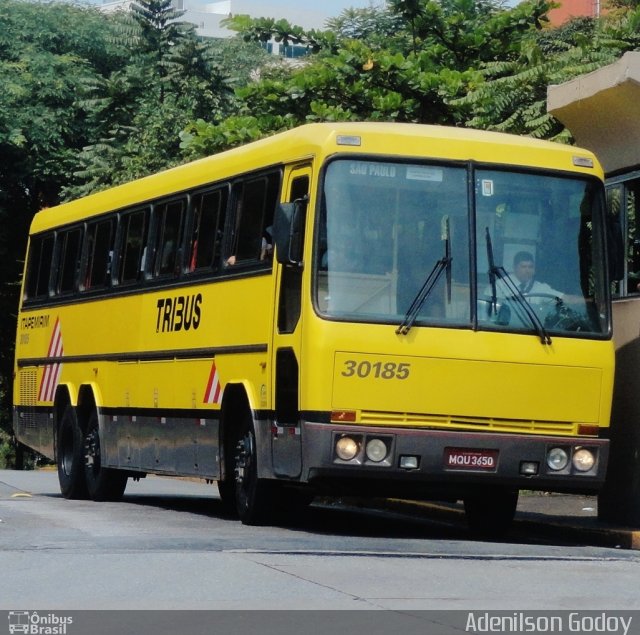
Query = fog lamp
x=408 y=462
x=376 y=450
x=557 y=459
x=529 y=468
x=346 y=448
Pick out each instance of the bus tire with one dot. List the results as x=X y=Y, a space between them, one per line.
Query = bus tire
x=254 y=496
x=103 y=483
x=490 y=512
x=70 y=456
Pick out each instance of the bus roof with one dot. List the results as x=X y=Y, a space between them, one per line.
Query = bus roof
x=322 y=140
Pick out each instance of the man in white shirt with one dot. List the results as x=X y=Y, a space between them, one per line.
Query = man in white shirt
x=524 y=271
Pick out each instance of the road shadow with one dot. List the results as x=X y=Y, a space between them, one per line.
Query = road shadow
x=339 y=520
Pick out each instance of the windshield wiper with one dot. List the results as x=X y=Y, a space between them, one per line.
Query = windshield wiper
x=493 y=306
x=499 y=272
x=442 y=265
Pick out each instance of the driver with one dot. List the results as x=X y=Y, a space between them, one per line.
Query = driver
x=538 y=294
x=524 y=278
x=524 y=272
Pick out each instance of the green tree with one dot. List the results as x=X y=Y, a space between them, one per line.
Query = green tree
x=414 y=12
x=513 y=96
x=172 y=77
x=418 y=73
x=47 y=55
x=372 y=24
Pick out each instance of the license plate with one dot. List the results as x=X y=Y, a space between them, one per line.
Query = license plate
x=470 y=459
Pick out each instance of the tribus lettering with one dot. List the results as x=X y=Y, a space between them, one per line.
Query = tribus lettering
x=178 y=314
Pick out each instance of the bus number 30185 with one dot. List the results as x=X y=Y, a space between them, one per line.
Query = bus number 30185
x=378 y=370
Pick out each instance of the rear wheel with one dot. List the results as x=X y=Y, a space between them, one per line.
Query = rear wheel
x=70 y=456
x=490 y=512
x=103 y=483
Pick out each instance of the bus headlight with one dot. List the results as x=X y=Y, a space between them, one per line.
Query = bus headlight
x=376 y=450
x=557 y=459
x=583 y=460
x=347 y=448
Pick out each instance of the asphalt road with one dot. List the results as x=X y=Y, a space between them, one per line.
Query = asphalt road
x=168 y=545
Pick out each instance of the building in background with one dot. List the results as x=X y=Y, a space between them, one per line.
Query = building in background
x=208 y=17
x=569 y=9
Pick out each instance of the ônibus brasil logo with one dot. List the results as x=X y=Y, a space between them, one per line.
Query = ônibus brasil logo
x=33 y=623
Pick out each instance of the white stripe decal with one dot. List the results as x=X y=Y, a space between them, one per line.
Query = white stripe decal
x=52 y=372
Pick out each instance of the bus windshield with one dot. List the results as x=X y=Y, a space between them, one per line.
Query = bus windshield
x=466 y=247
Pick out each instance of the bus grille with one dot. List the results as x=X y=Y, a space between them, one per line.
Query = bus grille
x=28 y=397
x=453 y=422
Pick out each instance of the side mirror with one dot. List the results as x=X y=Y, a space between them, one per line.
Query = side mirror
x=288 y=231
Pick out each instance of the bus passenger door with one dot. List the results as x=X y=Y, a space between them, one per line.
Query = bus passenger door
x=286 y=442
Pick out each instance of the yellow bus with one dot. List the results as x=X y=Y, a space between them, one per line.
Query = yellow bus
x=352 y=308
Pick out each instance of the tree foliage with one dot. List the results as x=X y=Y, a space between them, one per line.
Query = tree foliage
x=47 y=54
x=171 y=77
x=413 y=61
x=513 y=96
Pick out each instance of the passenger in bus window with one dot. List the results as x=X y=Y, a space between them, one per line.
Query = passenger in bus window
x=266 y=250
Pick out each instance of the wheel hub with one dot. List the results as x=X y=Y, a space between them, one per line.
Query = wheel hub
x=92 y=450
x=244 y=452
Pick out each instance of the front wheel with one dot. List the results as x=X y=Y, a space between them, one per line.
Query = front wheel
x=103 y=483
x=70 y=456
x=255 y=497
x=490 y=512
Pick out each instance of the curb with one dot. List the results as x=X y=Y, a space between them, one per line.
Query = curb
x=592 y=532
x=583 y=530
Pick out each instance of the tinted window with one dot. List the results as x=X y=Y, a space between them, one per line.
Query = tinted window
x=68 y=259
x=132 y=246
x=168 y=218
x=39 y=268
x=254 y=203
x=208 y=222
x=99 y=250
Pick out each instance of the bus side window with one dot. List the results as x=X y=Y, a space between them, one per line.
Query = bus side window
x=99 y=250
x=208 y=222
x=132 y=248
x=39 y=266
x=299 y=188
x=68 y=260
x=168 y=236
x=255 y=202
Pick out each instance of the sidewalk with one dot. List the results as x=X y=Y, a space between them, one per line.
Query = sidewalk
x=561 y=516
x=574 y=517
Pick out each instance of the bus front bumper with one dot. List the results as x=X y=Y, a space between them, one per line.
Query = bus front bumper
x=341 y=456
